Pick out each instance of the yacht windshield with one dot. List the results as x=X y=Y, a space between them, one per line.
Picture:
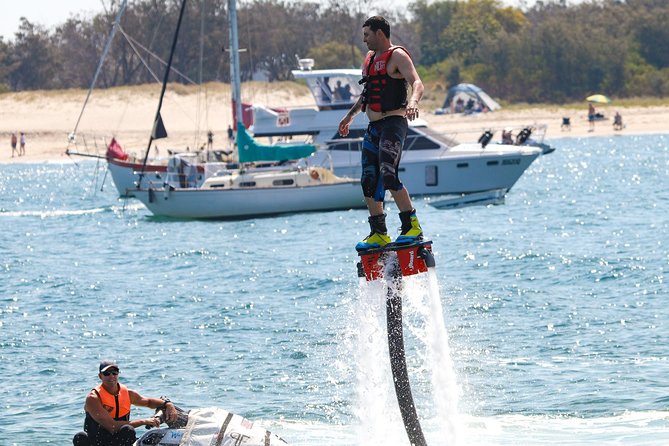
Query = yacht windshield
x=338 y=91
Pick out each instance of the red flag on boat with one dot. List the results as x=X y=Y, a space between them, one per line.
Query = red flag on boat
x=247 y=114
x=114 y=150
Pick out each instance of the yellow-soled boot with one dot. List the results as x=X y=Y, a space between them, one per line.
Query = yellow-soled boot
x=411 y=230
x=378 y=237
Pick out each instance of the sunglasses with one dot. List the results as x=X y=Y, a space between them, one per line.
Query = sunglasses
x=112 y=372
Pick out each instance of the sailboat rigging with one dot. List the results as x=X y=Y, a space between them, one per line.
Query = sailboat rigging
x=159 y=131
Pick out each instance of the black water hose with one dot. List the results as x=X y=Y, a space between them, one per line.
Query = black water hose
x=398 y=363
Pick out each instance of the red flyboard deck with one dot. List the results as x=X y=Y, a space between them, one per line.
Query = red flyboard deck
x=408 y=257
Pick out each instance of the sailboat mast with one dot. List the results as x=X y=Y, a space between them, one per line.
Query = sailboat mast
x=235 y=77
x=158 y=127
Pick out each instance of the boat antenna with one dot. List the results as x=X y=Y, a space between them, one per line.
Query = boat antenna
x=158 y=126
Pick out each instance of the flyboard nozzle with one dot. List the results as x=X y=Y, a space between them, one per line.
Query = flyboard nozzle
x=361 y=270
x=427 y=256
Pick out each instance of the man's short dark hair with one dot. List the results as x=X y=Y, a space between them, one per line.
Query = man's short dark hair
x=377 y=22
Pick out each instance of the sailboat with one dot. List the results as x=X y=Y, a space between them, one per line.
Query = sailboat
x=248 y=193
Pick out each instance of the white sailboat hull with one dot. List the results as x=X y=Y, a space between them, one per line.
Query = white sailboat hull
x=125 y=175
x=463 y=169
x=245 y=203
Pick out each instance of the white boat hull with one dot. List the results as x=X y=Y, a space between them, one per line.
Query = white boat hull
x=244 y=203
x=463 y=169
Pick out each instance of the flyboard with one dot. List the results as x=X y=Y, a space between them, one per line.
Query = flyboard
x=392 y=263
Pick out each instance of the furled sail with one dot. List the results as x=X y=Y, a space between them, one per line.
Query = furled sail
x=250 y=150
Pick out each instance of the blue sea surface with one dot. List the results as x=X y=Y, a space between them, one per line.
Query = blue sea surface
x=555 y=304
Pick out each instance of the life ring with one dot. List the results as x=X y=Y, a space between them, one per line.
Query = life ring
x=314 y=174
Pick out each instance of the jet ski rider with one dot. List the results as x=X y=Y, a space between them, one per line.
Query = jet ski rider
x=107 y=409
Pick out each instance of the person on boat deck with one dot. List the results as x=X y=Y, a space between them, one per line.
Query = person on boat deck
x=388 y=70
x=507 y=136
x=107 y=409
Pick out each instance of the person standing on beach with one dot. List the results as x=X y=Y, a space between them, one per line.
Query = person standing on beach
x=22 y=152
x=107 y=408
x=13 y=142
x=591 y=117
x=387 y=72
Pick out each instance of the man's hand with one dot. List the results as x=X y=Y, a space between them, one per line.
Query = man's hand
x=412 y=110
x=152 y=422
x=171 y=414
x=344 y=124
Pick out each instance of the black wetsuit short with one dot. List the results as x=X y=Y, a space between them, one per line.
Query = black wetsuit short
x=96 y=435
x=381 y=153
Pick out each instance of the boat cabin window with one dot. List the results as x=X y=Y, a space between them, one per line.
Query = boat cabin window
x=283 y=182
x=247 y=184
x=416 y=141
x=334 y=92
x=431 y=175
x=345 y=147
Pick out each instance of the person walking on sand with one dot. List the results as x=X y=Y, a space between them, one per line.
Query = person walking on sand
x=13 y=142
x=387 y=72
x=22 y=152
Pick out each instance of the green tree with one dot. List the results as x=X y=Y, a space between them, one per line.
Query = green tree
x=334 y=55
x=431 y=19
x=652 y=37
x=33 y=58
x=5 y=65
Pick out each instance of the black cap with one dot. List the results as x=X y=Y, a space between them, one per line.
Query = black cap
x=106 y=365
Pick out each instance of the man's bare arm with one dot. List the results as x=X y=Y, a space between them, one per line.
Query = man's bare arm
x=407 y=70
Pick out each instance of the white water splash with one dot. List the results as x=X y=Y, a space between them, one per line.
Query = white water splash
x=376 y=407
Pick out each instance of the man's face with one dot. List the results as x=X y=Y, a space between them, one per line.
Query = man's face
x=370 y=38
x=110 y=376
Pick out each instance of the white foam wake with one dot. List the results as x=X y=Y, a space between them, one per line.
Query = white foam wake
x=376 y=407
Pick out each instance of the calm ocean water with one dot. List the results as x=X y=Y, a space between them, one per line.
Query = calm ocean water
x=554 y=324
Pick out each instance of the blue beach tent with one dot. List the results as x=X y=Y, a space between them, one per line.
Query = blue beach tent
x=467 y=98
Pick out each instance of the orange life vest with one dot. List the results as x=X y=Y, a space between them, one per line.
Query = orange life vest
x=382 y=93
x=118 y=406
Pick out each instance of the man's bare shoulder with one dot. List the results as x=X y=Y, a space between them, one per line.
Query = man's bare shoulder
x=399 y=61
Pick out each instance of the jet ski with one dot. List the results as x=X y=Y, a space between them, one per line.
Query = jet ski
x=208 y=426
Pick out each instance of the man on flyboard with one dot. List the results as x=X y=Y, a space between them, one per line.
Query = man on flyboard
x=387 y=72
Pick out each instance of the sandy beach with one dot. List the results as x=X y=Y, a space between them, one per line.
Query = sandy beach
x=48 y=117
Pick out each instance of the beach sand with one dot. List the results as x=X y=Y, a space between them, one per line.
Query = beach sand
x=48 y=117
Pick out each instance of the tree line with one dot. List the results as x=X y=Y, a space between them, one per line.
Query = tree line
x=552 y=52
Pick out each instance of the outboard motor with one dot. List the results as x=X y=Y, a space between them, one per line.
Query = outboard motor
x=523 y=136
x=485 y=138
